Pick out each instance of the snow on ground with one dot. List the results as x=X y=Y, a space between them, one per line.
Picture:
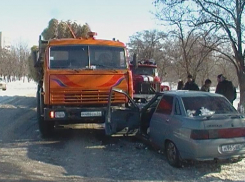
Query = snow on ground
x=20 y=88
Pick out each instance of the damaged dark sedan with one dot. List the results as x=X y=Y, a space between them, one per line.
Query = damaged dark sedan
x=187 y=125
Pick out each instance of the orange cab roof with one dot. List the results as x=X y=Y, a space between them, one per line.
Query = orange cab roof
x=89 y=41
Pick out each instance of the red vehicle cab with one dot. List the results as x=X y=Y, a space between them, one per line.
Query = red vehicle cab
x=146 y=81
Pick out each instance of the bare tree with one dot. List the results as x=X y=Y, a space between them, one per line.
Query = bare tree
x=145 y=43
x=14 y=61
x=224 y=18
x=148 y=44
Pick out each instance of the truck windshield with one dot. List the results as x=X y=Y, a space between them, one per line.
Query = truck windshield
x=144 y=71
x=82 y=57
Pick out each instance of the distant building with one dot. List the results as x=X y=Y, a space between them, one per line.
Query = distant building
x=4 y=40
x=1 y=40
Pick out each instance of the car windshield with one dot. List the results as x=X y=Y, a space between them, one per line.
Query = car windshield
x=144 y=71
x=203 y=106
x=82 y=57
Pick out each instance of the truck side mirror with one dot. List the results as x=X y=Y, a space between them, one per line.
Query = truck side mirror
x=135 y=62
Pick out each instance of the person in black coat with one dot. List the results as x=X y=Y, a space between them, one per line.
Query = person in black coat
x=206 y=86
x=180 y=85
x=226 y=88
x=190 y=84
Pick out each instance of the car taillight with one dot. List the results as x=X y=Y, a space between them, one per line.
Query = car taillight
x=199 y=134
x=231 y=132
x=217 y=133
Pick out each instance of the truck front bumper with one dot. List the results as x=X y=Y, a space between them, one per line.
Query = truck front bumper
x=73 y=115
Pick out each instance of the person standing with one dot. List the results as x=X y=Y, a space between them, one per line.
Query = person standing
x=190 y=84
x=180 y=85
x=206 y=86
x=225 y=88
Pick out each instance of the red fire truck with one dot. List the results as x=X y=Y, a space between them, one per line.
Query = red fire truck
x=146 y=81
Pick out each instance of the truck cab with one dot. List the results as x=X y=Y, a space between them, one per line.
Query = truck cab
x=146 y=81
x=76 y=78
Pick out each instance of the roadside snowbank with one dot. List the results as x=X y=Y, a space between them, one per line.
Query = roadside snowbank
x=20 y=88
x=29 y=89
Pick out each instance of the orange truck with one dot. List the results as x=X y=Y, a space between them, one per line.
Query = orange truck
x=76 y=76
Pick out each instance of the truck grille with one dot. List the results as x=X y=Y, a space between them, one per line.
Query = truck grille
x=84 y=97
x=147 y=88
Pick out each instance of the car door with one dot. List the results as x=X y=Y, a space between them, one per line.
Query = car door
x=121 y=119
x=147 y=111
x=161 y=119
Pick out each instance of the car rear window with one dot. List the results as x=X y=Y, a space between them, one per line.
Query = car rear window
x=198 y=106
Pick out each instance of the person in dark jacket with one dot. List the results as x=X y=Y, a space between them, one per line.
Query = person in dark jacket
x=226 y=88
x=180 y=85
x=190 y=84
x=206 y=86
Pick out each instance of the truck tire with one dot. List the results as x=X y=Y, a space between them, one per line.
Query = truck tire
x=46 y=128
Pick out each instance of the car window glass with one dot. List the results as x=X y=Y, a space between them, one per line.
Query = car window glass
x=177 y=108
x=154 y=104
x=198 y=106
x=165 y=105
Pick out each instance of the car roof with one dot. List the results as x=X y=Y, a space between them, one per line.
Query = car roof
x=187 y=93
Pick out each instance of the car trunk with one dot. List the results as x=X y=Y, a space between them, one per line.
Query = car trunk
x=224 y=126
x=224 y=121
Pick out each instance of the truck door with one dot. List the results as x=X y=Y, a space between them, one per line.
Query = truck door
x=121 y=119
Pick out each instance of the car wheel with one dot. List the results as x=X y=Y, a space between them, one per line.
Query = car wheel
x=46 y=128
x=172 y=154
x=4 y=89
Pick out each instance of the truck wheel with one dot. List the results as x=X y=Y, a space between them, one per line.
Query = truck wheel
x=172 y=154
x=46 y=128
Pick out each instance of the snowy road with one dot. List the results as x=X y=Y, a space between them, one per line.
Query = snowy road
x=83 y=155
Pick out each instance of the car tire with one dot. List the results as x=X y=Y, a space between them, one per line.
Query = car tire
x=4 y=89
x=172 y=154
x=46 y=128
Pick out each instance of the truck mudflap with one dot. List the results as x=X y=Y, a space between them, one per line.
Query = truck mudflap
x=121 y=119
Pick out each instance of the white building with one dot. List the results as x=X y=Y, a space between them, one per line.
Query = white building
x=4 y=40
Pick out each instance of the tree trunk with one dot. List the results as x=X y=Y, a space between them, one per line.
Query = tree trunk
x=241 y=79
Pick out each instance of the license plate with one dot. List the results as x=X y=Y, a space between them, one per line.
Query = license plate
x=91 y=114
x=231 y=148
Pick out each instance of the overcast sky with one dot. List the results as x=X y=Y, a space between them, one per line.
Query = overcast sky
x=24 y=20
